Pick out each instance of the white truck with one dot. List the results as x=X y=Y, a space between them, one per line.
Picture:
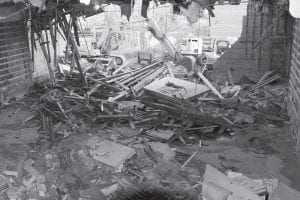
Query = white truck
x=205 y=48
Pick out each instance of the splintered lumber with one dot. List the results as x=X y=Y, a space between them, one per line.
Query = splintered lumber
x=141 y=78
x=179 y=107
x=211 y=87
x=122 y=85
x=47 y=58
x=170 y=70
x=67 y=32
x=120 y=95
x=268 y=73
x=134 y=76
x=189 y=160
x=102 y=83
x=265 y=82
x=229 y=75
x=113 y=116
x=120 y=68
x=129 y=74
x=93 y=89
x=147 y=80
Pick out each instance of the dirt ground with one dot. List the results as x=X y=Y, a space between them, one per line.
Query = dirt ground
x=258 y=151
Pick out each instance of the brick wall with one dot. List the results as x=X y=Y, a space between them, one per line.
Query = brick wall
x=294 y=84
x=245 y=58
x=15 y=67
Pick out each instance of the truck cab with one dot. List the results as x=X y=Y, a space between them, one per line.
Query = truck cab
x=191 y=46
x=210 y=48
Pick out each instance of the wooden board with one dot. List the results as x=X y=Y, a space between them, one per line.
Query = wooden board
x=213 y=175
x=187 y=89
x=112 y=154
x=284 y=192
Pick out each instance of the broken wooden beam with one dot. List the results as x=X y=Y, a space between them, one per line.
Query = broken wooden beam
x=210 y=86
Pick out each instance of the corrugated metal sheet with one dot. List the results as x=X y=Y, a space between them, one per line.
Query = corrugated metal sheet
x=228 y=21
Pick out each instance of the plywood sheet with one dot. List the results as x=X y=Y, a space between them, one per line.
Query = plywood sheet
x=111 y=153
x=215 y=176
x=174 y=87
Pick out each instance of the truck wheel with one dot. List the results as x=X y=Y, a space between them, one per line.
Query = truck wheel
x=202 y=60
x=119 y=60
x=209 y=67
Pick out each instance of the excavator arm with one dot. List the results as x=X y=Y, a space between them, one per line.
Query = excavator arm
x=187 y=61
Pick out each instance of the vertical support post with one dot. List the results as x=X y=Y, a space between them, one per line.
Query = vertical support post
x=51 y=131
x=48 y=46
x=253 y=35
x=55 y=39
x=51 y=73
x=262 y=18
x=247 y=29
x=74 y=49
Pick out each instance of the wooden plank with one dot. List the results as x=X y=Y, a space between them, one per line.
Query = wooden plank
x=113 y=116
x=75 y=50
x=146 y=81
x=51 y=73
x=25 y=65
x=170 y=70
x=120 y=95
x=213 y=89
x=128 y=74
x=133 y=76
x=183 y=90
x=189 y=160
x=247 y=29
x=120 y=68
x=213 y=175
x=262 y=17
x=141 y=78
x=253 y=35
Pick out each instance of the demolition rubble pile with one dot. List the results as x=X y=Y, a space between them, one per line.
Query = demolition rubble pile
x=137 y=112
x=152 y=98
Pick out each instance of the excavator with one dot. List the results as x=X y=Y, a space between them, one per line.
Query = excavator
x=99 y=45
x=105 y=41
x=191 y=62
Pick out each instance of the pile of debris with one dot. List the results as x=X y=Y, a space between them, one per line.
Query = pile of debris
x=152 y=108
x=151 y=98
